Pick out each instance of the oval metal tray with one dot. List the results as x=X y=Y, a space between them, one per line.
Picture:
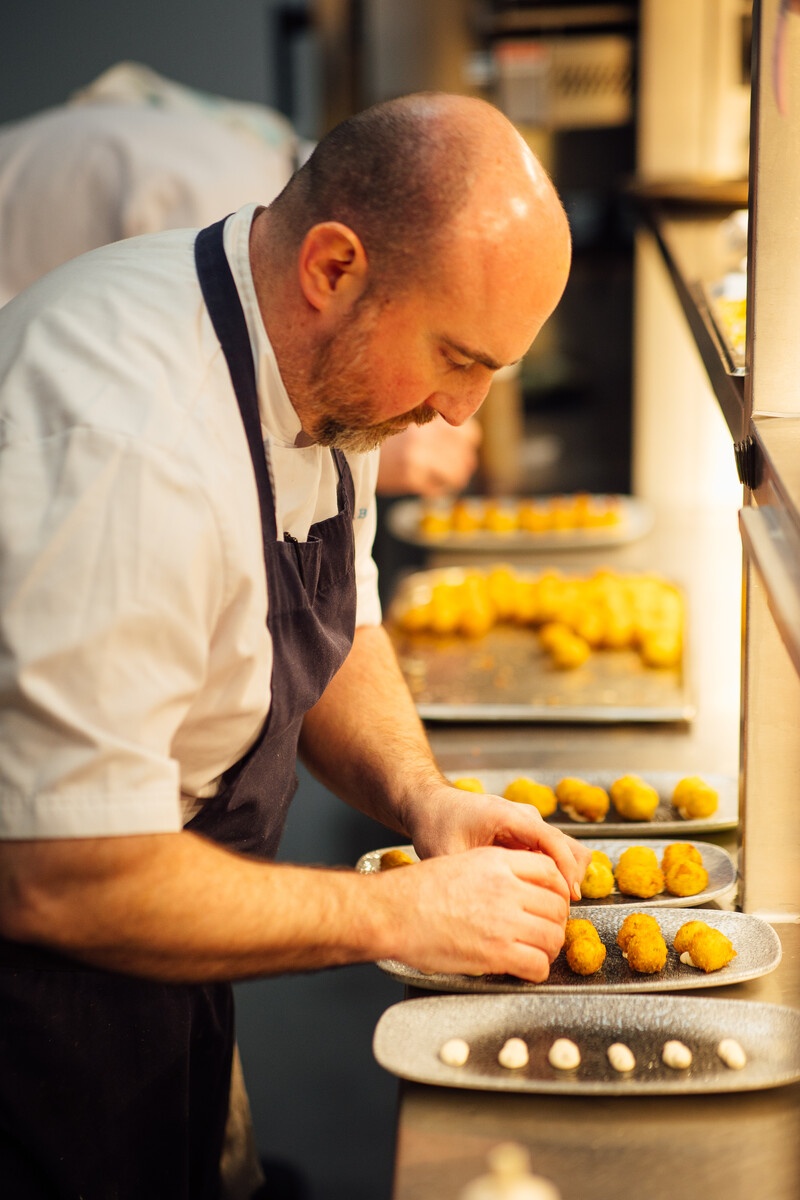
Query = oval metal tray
x=719 y=864
x=666 y=819
x=757 y=945
x=410 y=1034
x=404 y=516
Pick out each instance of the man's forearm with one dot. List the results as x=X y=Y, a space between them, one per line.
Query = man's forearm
x=364 y=739
x=177 y=907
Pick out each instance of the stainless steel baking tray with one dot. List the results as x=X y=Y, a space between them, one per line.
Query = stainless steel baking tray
x=409 y=1035
x=665 y=821
x=719 y=864
x=507 y=676
x=404 y=516
x=757 y=944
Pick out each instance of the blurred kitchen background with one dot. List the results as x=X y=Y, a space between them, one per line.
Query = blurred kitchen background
x=606 y=401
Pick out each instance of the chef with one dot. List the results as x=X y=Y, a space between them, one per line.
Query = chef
x=188 y=601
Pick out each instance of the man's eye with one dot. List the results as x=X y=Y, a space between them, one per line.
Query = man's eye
x=456 y=365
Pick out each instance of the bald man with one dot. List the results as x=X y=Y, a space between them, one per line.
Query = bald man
x=191 y=425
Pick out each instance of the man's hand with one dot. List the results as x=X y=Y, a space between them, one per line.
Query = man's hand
x=429 y=460
x=486 y=911
x=451 y=820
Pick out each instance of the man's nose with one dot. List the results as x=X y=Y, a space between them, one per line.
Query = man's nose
x=456 y=409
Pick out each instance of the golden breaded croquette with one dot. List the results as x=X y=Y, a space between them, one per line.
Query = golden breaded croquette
x=709 y=950
x=528 y=791
x=646 y=952
x=582 y=801
x=639 y=874
x=686 y=878
x=569 y=651
x=694 y=798
x=683 y=938
x=597 y=882
x=585 y=955
x=579 y=927
x=633 y=798
x=600 y=856
x=635 y=923
x=678 y=851
x=395 y=858
x=469 y=784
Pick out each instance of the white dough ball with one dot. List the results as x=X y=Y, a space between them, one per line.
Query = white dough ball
x=514 y=1054
x=621 y=1057
x=564 y=1055
x=455 y=1052
x=676 y=1055
x=732 y=1054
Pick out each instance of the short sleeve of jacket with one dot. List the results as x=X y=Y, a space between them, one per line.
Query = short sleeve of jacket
x=105 y=629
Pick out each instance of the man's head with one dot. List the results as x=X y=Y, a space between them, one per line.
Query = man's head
x=419 y=249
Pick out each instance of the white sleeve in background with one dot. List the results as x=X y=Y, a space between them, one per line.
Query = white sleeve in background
x=78 y=177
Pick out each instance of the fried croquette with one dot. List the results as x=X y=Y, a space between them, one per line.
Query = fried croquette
x=694 y=798
x=597 y=882
x=395 y=858
x=600 y=856
x=635 y=923
x=683 y=938
x=528 y=791
x=686 y=878
x=585 y=954
x=469 y=784
x=578 y=926
x=633 y=798
x=677 y=851
x=646 y=952
x=638 y=873
x=709 y=950
x=582 y=801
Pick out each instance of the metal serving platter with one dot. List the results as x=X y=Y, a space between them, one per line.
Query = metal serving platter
x=404 y=516
x=719 y=864
x=410 y=1034
x=506 y=675
x=666 y=820
x=756 y=942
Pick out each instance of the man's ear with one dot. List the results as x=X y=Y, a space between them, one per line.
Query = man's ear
x=332 y=267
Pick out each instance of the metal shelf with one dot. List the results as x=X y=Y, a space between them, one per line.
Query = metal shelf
x=687 y=244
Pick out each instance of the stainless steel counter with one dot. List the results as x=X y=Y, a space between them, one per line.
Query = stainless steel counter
x=731 y=1147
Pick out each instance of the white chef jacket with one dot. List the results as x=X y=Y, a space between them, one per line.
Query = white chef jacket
x=135 y=658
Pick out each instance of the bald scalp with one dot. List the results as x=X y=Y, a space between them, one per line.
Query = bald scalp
x=398 y=174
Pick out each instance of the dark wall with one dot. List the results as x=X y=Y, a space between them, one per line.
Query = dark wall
x=51 y=48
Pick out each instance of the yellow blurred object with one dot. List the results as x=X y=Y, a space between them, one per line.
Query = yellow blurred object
x=638 y=874
x=633 y=798
x=600 y=856
x=694 y=798
x=686 y=878
x=395 y=858
x=469 y=784
x=463 y=518
x=574 y=615
x=582 y=801
x=597 y=882
x=677 y=851
x=528 y=791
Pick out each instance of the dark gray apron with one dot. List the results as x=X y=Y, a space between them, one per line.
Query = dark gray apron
x=114 y=1087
